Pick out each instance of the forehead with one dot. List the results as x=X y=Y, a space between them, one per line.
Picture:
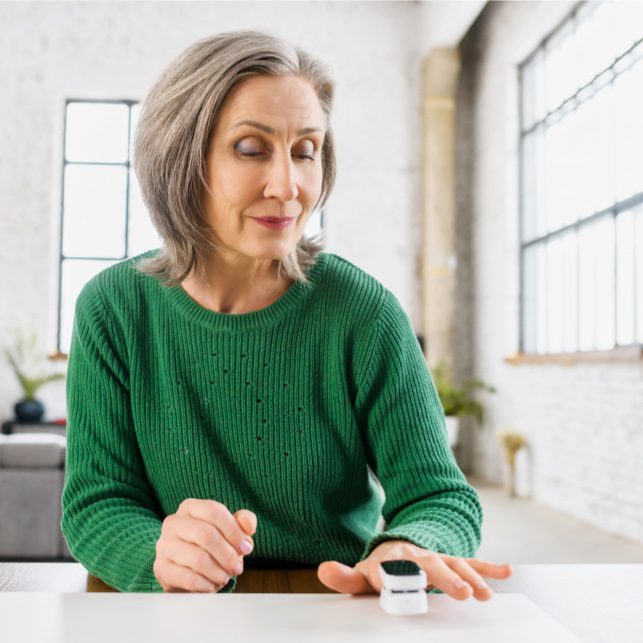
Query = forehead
x=273 y=99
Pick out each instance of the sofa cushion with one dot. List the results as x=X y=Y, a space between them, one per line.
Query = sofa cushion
x=32 y=450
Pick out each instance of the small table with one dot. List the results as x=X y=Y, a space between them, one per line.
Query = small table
x=15 y=426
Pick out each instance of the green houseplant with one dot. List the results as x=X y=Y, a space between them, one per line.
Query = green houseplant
x=24 y=358
x=458 y=401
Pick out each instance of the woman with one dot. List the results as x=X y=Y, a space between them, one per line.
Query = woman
x=228 y=392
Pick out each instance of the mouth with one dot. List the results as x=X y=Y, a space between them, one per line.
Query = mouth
x=275 y=223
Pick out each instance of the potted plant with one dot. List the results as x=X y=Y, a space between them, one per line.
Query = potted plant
x=24 y=358
x=457 y=401
x=511 y=442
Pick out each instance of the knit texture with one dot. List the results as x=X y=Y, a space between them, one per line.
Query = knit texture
x=281 y=411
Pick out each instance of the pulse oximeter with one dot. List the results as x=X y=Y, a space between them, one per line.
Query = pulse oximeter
x=403 y=587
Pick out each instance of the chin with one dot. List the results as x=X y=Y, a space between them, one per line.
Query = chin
x=274 y=251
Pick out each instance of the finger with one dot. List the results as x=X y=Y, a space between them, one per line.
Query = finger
x=440 y=575
x=198 y=566
x=211 y=540
x=481 y=590
x=493 y=570
x=219 y=515
x=181 y=579
x=342 y=578
x=247 y=520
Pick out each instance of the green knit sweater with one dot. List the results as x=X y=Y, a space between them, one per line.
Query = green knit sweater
x=287 y=411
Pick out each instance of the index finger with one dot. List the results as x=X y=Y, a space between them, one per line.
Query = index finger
x=493 y=570
x=219 y=515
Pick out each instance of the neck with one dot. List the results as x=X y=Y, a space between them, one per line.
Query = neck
x=236 y=284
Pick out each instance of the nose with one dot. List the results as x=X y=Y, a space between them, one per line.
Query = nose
x=282 y=180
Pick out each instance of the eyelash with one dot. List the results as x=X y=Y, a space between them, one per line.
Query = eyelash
x=302 y=157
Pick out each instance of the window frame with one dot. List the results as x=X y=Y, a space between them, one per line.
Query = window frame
x=58 y=354
x=618 y=352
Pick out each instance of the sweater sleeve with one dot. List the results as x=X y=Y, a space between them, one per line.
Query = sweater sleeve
x=427 y=498
x=111 y=517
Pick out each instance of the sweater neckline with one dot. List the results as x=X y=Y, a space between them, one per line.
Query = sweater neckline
x=261 y=318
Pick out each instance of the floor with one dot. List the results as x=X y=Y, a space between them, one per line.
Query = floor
x=516 y=530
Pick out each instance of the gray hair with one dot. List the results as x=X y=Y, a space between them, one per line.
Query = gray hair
x=170 y=149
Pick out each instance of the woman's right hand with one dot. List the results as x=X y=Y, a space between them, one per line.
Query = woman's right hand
x=200 y=546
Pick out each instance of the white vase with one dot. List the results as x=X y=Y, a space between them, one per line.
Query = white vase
x=453 y=426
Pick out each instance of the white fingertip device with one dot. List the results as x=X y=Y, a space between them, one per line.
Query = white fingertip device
x=403 y=587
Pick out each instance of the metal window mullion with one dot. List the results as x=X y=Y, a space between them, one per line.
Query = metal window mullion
x=127 y=185
x=61 y=258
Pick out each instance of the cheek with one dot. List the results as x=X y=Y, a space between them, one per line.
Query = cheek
x=313 y=185
x=235 y=186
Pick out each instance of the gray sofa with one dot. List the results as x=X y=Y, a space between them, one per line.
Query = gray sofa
x=31 y=482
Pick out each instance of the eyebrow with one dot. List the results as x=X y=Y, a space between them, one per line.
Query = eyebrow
x=270 y=130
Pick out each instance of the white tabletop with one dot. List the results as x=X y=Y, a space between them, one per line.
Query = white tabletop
x=598 y=603
x=278 y=618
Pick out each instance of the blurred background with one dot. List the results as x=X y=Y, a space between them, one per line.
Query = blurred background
x=490 y=174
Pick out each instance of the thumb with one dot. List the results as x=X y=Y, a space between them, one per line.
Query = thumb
x=247 y=520
x=342 y=578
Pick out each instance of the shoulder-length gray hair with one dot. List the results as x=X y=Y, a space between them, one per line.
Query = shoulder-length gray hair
x=173 y=133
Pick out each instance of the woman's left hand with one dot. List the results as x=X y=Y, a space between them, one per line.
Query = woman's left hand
x=458 y=577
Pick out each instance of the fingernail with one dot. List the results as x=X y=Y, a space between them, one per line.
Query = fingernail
x=245 y=547
x=459 y=583
x=238 y=569
x=483 y=586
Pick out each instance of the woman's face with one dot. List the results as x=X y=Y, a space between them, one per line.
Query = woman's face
x=264 y=160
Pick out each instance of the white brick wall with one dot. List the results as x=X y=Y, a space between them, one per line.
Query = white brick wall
x=584 y=422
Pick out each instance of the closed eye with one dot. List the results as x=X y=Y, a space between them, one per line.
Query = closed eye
x=246 y=154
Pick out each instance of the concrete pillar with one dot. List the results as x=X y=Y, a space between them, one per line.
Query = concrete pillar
x=441 y=71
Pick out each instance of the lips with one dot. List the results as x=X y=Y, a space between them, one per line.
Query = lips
x=274 y=223
x=274 y=219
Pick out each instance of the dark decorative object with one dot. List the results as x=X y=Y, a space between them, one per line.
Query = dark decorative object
x=29 y=411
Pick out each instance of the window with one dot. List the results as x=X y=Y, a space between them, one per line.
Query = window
x=103 y=217
x=581 y=183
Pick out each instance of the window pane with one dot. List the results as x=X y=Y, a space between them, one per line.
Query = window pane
x=533 y=187
x=625 y=278
x=605 y=283
x=94 y=213
x=75 y=274
x=135 y=112
x=561 y=78
x=628 y=132
x=141 y=232
x=638 y=258
x=555 y=295
x=96 y=132
x=628 y=23
x=595 y=153
x=597 y=41
x=534 y=299
x=596 y=284
x=562 y=174
x=533 y=90
x=561 y=293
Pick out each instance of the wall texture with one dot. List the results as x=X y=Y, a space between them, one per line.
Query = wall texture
x=51 y=51
x=584 y=422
